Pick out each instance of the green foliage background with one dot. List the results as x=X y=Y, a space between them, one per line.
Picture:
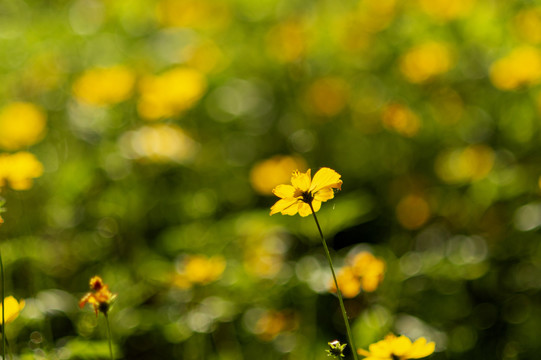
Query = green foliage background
x=467 y=277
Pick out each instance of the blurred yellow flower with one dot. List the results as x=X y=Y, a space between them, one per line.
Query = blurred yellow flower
x=100 y=297
x=398 y=348
x=445 y=10
x=21 y=124
x=527 y=24
x=363 y=272
x=401 y=119
x=19 y=169
x=287 y=41
x=104 y=86
x=272 y=323
x=522 y=67
x=350 y=284
x=158 y=143
x=170 y=93
x=327 y=96
x=425 y=61
x=369 y=269
x=199 y=14
x=306 y=192
x=468 y=164
x=199 y=269
x=12 y=309
x=413 y=211
x=267 y=174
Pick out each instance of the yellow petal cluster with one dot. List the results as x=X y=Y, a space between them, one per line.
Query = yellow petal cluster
x=18 y=170
x=425 y=61
x=199 y=269
x=305 y=192
x=21 y=124
x=104 y=86
x=12 y=309
x=398 y=348
x=269 y=173
x=170 y=93
x=363 y=272
x=521 y=67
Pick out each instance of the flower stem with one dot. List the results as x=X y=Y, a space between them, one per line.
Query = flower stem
x=3 y=294
x=338 y=292
x=109 y=336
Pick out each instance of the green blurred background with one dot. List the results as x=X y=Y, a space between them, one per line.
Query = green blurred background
x=153 y=132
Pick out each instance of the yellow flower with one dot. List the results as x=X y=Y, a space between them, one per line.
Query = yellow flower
x=425 y=61
x=100 y=298
x=104 y=86
x=364 y=272
x=12 y=310
x=170 y=93
x=306 y=193
x=19 y=169
x=199 y=269
x=398 y=348
x=521 y=67
x=350 y=284
x=21 y=124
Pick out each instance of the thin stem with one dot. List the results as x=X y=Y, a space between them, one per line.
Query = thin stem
x=109 y=336
x=338 y=292
x=3 y=294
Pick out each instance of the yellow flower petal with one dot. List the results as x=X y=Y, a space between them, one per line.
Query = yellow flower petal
x=324 y=194
x=285 y=206
x=401 y=345
x=301 y=181
x=284 y=191
x=420 y=349
x=304 y=209
x=325 y=177
x=12 y=309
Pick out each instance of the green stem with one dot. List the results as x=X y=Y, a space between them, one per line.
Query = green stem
x=3 y=294
x=109 y=336
x=338 y=292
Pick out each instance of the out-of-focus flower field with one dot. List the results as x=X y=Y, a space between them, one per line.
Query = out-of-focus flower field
x=140 y=141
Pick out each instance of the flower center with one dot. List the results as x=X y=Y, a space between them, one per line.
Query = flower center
x=395 y=357
x=307 y=197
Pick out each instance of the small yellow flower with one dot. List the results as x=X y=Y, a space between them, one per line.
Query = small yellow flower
x=104 y=86
x=100 y=298
x=199 y=269
x=398 y=348
x=306 y=192
x=364 y=272
x=22 y=124
x=12 y=310
x=19 y=169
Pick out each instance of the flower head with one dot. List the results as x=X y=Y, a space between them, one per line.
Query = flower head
x=305 y=193
x=12 y=309
x=100 y=297
x=336 y=350
x=398 y=348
